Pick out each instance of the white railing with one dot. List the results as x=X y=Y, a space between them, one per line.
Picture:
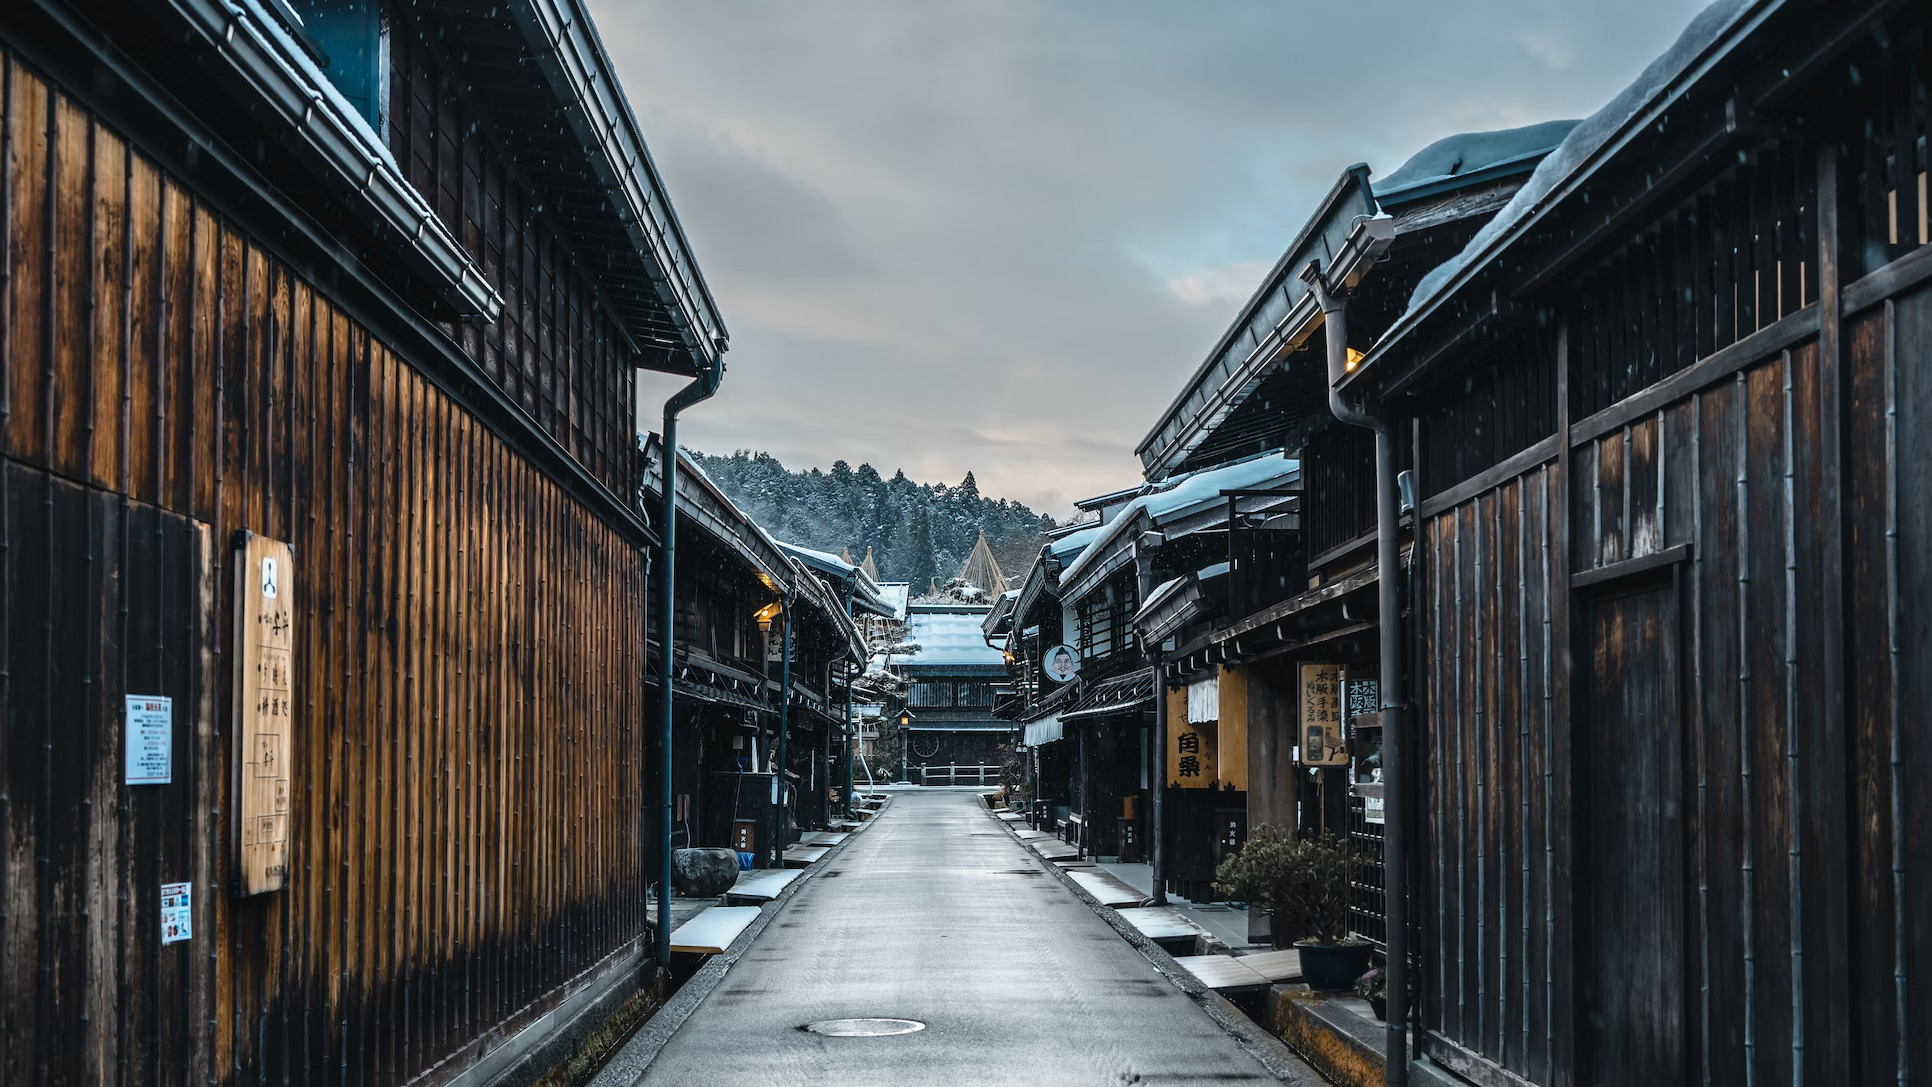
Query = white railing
x=958 y=774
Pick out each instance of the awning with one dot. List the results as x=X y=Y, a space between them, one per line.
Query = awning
x=1120 y=694
x=1044 y=731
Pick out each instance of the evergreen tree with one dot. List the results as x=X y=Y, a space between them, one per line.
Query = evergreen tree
x=919 y=533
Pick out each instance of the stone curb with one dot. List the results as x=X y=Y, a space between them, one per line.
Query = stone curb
x=627 y=1066
x=1272 y=1053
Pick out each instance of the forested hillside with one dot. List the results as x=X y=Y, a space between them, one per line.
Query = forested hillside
x=918 y=532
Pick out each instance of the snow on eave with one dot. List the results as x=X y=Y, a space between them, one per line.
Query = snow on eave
x=1593 y=142
x=1174 y=498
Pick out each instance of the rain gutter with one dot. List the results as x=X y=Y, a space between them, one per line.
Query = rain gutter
x=1333 y=297
x=301 y=99
x=700 y=390
x=571 y=56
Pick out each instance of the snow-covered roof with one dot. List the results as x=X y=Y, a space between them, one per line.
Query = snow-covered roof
x=1176 y=499
x=1072 y=543
x=895 y=594
x=865 y=591
x=1582 y=151
x=1459 y=160
x=947 y=635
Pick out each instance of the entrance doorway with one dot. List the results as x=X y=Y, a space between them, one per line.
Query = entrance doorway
x=1632 y=995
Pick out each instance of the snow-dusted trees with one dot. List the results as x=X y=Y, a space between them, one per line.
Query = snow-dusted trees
x=918 y=532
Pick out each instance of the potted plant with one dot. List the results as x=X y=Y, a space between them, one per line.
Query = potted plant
x=1374 y=988
x=1303 y=882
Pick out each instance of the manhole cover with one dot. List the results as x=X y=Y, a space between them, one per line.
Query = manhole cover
x=865 y=1028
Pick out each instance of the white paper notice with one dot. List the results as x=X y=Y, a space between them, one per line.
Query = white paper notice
x=177 y=912
x=150 y=739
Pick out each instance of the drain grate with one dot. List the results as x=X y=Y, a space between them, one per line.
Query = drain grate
x=864 y=1028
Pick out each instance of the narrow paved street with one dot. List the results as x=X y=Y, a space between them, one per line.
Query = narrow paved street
x=938 y=915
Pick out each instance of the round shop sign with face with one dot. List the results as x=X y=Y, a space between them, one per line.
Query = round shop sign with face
x=1061 y=663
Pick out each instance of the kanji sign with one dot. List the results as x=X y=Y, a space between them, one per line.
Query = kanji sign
x=264 y=710
x=1190 y=747
x=1321 y=716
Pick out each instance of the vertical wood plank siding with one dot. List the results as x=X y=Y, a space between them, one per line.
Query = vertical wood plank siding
x=556 y=352
x=1790 y=469
x=467 y=660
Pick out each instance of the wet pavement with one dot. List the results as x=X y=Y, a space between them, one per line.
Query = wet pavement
x=937 y=915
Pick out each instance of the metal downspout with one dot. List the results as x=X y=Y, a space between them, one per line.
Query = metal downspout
x=1334 y=303
x=780 y=785
x=1157 y=758
x=850 y=584
x=702 y=389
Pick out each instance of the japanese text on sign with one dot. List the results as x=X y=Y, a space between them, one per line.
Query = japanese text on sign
x=1190 y=748
x=150 y=739
x=1321 y=715
x=264 y=708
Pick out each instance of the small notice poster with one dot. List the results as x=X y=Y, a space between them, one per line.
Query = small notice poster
x=1372 y=810
x=150 y=739
x=177 y=912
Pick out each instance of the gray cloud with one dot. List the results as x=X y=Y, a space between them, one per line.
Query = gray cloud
x=998 y=235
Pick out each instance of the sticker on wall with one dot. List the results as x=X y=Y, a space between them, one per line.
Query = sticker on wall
x=177 y=912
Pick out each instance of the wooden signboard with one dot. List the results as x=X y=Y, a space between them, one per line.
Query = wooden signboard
x=264 y=711
x=1190 y=746
x=1321 y=716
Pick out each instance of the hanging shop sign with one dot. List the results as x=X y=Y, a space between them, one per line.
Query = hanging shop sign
x=1363 y=697
x=1321 y=716
x=1061 y=663
x=1190 y=747
x=264 y=710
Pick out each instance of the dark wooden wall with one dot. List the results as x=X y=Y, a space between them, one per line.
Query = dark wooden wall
x=556 y=352
x=464 y=807
x=1766 y=458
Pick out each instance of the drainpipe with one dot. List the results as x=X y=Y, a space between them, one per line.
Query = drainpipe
x=702 y=389
x=784 y=728
x=1395 y=851
x=1157 y=758
x=850 y=584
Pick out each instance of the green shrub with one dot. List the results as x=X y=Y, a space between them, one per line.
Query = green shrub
x=1301 y=882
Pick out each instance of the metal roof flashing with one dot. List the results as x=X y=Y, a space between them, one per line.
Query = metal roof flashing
x=1275 y=319
x=282 y=71
x=1590 y=146
x=572 y=57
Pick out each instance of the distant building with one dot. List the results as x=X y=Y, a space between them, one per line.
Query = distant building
x=946 y=718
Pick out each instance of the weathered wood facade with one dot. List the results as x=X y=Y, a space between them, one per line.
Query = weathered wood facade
x=182 y=359
x=1668 y=618
x=727 y=684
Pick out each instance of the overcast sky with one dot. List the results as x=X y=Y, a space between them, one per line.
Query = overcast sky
x=998 y=236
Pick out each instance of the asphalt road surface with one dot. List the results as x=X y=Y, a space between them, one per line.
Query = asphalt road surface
x=937 y=915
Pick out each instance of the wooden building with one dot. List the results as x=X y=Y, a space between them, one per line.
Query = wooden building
x=1032 y=625
x=1296 y=607
x=1670 y=417
x=317 y=477
x=950 y=733
x=731 y=712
